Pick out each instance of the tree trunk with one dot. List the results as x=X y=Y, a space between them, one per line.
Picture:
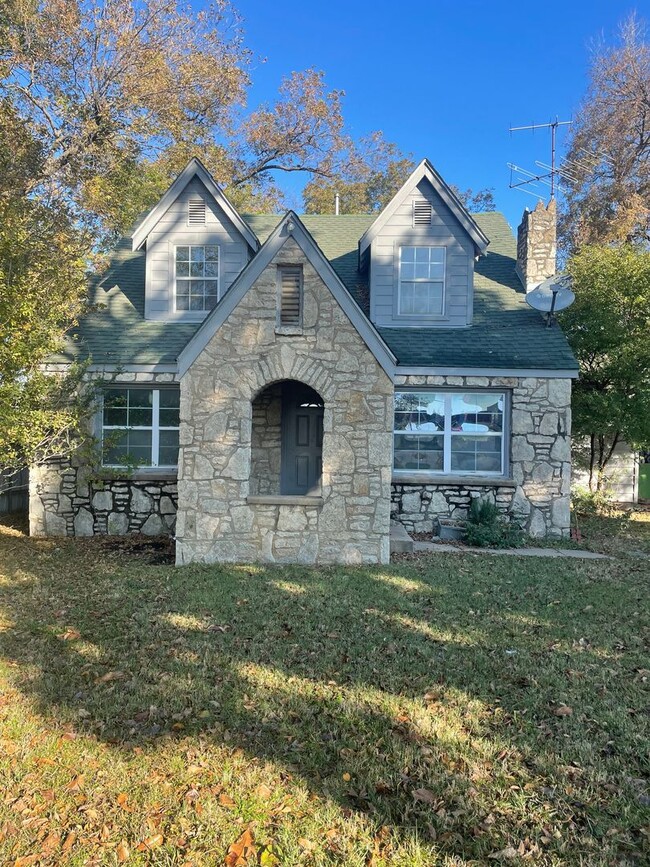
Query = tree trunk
x=605 y=457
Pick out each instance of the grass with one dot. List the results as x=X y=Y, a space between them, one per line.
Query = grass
x=620 y=533
x=449 y=710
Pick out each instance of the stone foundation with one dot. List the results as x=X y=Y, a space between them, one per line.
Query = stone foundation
x=63 y=503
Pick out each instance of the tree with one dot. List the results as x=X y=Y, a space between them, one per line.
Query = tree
x=608 y=327
x=373 y=170
x=119 y=94
x=607 y=167
x=42 y=286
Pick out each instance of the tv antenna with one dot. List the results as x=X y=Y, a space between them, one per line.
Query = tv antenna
x=547 y=177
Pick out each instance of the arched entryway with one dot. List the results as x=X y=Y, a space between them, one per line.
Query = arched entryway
x=287 y=440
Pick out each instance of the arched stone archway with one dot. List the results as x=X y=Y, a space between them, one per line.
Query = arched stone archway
x=287 y=440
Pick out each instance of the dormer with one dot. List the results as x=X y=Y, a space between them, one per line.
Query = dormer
x=196 y=245
x=420 y=254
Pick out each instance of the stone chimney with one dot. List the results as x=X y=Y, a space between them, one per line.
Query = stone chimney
x=537 y=244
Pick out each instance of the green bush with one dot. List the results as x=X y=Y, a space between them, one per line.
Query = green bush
x=487 y=528
x=589 y=504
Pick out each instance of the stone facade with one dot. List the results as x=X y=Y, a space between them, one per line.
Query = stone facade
x=537 y=491
x=69 y=499
x=537 y=244
x=65 y=502
x=219 y=518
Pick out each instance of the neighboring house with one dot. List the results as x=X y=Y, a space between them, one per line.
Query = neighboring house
x=289 y=383
x=621 y=472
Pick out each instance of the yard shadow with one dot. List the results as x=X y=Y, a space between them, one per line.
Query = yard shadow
x=438 y=676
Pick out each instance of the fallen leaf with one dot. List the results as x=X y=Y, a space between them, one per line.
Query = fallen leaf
x=51 y=841
x=306 y=844
x=563 y=710
x=109 y=676
x=123 y=801
x=151 y=843
x=263 y=791
x=424 y=795
x=241 y=850
x=76 y=784
x=225 y=800
x=347 y=777
x=69 y=841
x=122 y=852
x=70 y=635
x=26 y=860
x=505 y=854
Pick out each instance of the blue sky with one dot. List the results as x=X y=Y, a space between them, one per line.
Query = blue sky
x=444 y=79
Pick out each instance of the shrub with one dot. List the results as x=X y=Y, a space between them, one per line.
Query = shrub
x=487 y=528
x=589 y=504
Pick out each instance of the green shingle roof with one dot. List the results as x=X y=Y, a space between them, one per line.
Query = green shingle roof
x=505 y=332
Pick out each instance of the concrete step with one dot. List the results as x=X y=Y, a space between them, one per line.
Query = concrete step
x=400 y=541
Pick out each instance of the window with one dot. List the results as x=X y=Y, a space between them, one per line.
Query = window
x=421 y=281
x=140 y=426
x=197 y=277
x=421 y=212
x=290 y=290
x=445 y=432
x=196 y=212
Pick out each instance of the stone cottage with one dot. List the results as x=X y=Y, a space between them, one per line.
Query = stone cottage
x=277 y=388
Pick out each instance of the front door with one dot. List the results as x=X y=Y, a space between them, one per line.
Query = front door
x=302 y=440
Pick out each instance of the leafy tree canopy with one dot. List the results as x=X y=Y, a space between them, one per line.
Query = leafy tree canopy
x=608 y=328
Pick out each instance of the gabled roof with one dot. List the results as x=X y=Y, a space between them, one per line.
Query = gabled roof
x=194 y=168
x=289 y=226
x=426 y=171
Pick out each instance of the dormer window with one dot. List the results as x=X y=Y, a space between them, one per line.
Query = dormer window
x=422 y=212
x=197 y=277
x=421 y=290
x=196 y=212
x=290 y=296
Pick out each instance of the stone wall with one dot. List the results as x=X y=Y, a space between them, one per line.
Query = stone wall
x=537 y=490
x=218 y=517
x=266 y=442
x=64 y=502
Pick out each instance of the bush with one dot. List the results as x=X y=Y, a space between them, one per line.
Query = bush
x=589 y=504
x=487 y=528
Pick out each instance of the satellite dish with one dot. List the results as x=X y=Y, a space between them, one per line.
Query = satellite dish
x=551 y=296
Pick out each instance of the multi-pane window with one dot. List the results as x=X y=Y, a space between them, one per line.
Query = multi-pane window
x=197 y=277
x=140 y=427
x=421 y=281
x=449 y=432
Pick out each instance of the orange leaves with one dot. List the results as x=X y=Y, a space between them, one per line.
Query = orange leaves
x=70 y=635
x=153 y=842
x=226 y=801
x=122 y=852
x=563 y=710
x=241 y=850
x=76 y=784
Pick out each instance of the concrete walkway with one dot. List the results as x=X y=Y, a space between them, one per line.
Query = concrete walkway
x=442 y=548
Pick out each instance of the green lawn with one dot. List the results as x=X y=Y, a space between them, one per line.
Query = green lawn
x=450 y=710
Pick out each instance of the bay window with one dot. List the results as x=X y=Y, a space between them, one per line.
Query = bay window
x=450 y=432
x=140 y=427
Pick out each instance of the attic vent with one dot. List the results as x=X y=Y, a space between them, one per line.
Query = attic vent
x=196 y=212
x=421 y=212
x=290 y=280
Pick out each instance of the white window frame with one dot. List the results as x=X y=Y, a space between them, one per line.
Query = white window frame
x=155 y=427
x=206 y=310
x=447 y=434
x=415 y=245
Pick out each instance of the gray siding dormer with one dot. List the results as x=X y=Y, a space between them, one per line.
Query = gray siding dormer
x=444 y=231
x=174 y=229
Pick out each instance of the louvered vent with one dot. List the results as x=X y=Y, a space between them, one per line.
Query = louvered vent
x=196 y=212
x=421 y=213
x=290 y=295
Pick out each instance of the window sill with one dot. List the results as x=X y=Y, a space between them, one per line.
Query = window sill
x=149 y=475
x=288 y=330
x=467 y=481
x=284 y=500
